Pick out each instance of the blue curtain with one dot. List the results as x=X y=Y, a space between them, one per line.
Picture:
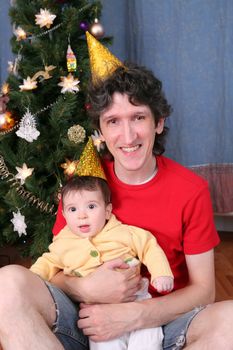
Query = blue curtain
x=5 y=35
x=188 y=44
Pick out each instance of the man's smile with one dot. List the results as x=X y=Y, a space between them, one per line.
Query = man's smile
x=130 y=149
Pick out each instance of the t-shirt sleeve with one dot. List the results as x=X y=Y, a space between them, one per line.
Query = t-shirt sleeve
x=60 y=221
x=199 y=231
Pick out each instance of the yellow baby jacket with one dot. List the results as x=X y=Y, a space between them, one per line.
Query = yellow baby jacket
x=79 y=256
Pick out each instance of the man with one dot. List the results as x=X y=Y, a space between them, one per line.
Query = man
x=149 y=191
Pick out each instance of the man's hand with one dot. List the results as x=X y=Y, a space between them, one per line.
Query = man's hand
x=103 y=322
x=112 y=282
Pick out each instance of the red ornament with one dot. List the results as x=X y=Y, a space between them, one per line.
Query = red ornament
x=87 y=106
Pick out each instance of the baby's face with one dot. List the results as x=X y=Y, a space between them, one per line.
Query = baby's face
x=85 y=212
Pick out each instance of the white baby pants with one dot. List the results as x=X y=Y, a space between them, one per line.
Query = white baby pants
x=142 y=339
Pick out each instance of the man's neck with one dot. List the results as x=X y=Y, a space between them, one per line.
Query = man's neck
x=134 y=177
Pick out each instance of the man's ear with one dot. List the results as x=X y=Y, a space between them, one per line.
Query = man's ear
x=108 y=211
x=159 y=127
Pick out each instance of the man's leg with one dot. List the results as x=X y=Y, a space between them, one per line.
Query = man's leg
x=27 y=311
x=211 y=328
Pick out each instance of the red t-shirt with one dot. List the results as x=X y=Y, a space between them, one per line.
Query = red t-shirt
x=175 y=206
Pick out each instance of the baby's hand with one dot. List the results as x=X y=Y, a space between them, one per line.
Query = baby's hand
x=163 y=283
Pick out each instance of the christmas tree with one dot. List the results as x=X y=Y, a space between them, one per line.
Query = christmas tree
x=43 y=119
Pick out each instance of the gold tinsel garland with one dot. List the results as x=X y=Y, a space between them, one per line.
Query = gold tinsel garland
x=32 y=199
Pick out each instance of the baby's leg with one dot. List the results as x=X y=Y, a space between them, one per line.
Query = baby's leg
x=114 y=344
x=146 y=339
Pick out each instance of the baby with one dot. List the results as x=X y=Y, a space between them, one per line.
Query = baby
x=93 y=235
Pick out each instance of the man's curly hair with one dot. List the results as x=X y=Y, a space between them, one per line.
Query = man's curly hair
x=142 y=88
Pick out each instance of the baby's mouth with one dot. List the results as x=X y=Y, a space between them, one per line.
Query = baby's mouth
x=84 y=228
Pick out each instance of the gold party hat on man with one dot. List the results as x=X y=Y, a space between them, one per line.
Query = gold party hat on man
x=89 y=163
x=102 y=62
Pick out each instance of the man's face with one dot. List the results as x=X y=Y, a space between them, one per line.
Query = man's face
x=129 y=132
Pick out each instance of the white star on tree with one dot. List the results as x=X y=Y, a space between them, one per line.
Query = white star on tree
x=69 y=83
x=28 y=84
x=23 y=173
x=19 y=223
x=45 y=18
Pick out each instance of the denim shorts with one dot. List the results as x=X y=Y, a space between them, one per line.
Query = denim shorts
x=72 y=338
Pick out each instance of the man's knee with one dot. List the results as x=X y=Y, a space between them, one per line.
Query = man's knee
x=212 y=327
x=12 y=277
x=24 y=291
x=225 y=321
x=15 y=284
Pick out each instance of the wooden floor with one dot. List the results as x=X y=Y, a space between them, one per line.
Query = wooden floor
x=224 y=267
x=223 y=264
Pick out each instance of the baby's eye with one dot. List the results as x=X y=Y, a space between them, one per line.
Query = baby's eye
x=91 y=206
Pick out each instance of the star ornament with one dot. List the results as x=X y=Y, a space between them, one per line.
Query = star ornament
x=23 y=173
x=19 y=223
x=44 y=18
x=69 y=166
x=69 y=84
x=28 y=84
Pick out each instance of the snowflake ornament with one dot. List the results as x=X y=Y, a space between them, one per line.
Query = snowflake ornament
x=45 y=18
x=27 y=128
x=68 y=84
x=23 y=173
x=28 y=84
x=19 y=223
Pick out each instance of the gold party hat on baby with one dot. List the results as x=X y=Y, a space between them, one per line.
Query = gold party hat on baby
x=89 y=163
x=102 y=62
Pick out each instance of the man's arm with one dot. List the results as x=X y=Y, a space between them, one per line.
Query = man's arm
x=103 y=322
x=107 y=284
